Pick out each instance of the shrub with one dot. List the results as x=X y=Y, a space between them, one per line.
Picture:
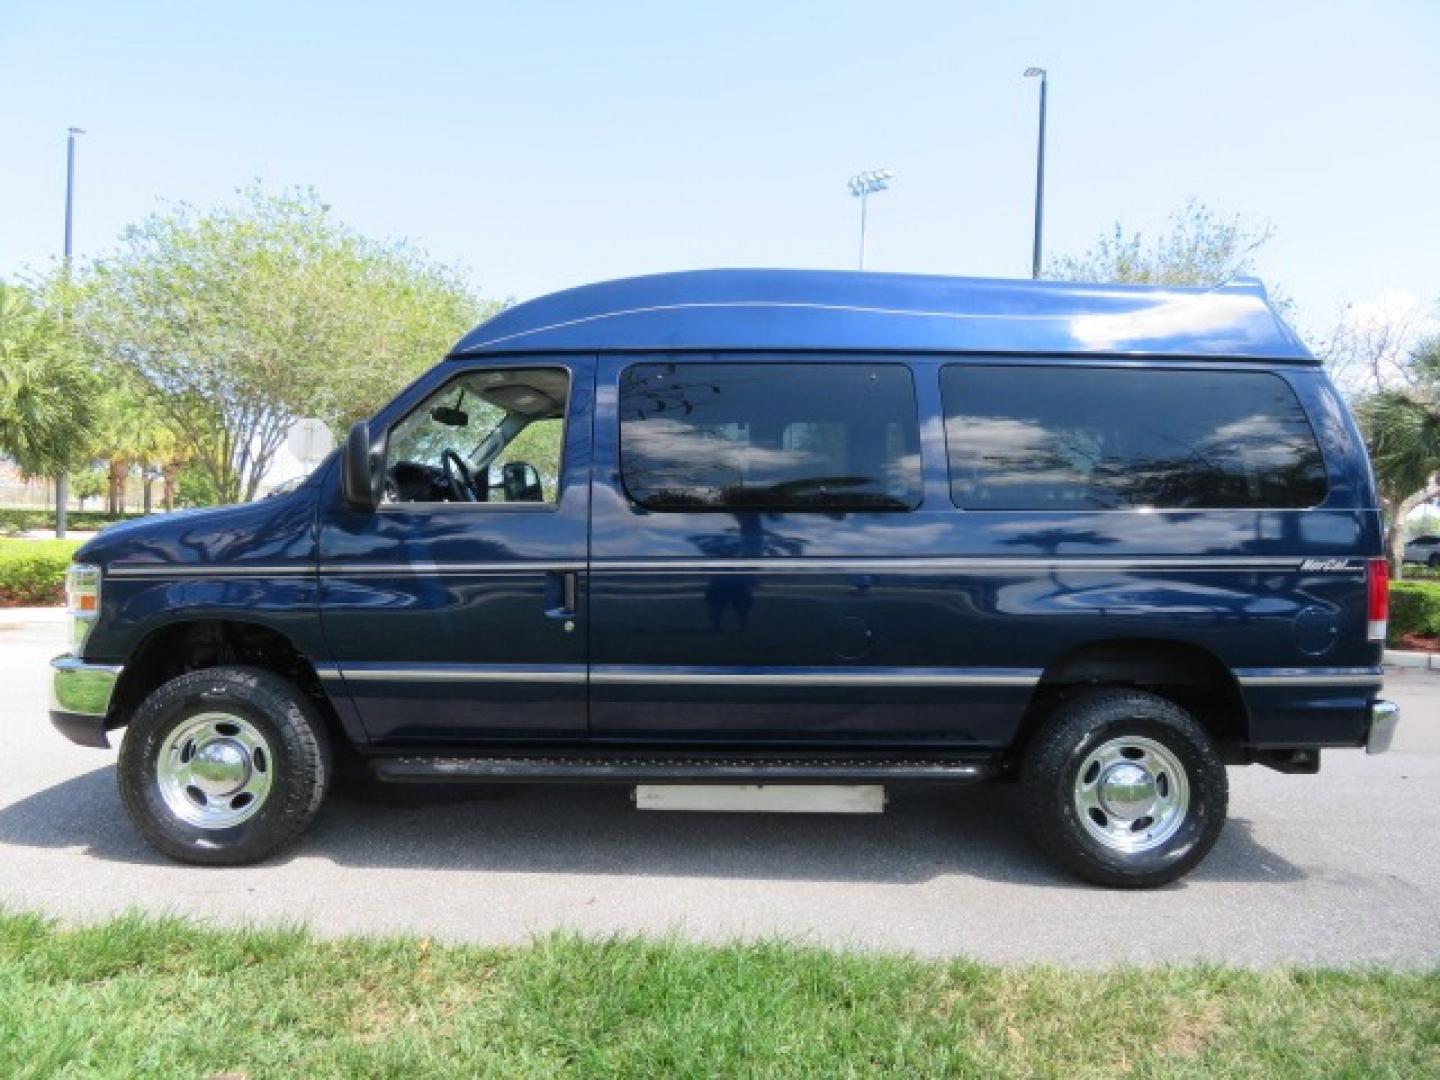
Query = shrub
x=1414 y=609
x=32 y=572
x=17 y=520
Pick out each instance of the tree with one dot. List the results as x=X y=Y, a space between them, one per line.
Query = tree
x=191 y=486
x=1372 y=344
x=1380 y=358
x=87 y=484
x=1198 y=247
x=241 y=320
x=1402 y=425
x=130 y=434
x=47 y=391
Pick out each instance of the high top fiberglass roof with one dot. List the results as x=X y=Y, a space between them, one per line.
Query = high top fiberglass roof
x=780 y=310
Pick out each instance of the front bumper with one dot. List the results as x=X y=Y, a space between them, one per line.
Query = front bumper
x=1384 y=719
x=80 y=699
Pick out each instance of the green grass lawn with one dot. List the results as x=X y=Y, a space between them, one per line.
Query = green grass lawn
x=140 y=997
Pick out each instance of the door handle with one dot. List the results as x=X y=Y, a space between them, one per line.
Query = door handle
x=562 y=589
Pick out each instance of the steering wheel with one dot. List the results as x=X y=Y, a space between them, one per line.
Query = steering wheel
x=457 y=477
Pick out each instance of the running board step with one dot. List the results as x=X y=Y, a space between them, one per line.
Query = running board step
x=710 y=770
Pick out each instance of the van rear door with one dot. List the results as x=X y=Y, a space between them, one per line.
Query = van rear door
x=754 y=574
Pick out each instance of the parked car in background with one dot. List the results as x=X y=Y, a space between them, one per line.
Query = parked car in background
x=1423 y=549
x=772 y=540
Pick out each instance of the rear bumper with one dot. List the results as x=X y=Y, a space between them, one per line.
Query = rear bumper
x=80 y=699
x=1384 y=719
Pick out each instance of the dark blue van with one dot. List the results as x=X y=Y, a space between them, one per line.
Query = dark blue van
x=775 y=539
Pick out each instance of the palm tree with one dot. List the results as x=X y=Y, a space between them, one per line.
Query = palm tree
x=47 y=393
x=131 y=433
x=1402 y=425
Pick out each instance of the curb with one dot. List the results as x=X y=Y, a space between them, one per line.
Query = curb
x=12 y=616
x=1406 y=658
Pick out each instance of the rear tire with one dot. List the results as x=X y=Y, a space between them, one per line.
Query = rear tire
x=224 y=766
x=1124 y=788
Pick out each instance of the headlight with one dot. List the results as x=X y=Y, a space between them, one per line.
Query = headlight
x=82 y=599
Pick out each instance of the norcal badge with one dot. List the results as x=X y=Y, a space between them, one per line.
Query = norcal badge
x=1332 y=566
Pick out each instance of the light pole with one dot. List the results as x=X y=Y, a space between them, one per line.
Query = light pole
x=70 y=134
x=862 y=186
x=62 y=481
x=1031 y=73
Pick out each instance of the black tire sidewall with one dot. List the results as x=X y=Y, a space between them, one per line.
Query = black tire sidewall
x=291 y=732
x=1050 y=778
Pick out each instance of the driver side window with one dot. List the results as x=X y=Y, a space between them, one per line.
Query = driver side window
x=489 y=436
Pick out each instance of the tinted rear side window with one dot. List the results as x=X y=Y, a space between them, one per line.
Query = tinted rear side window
x=1048 y=438
x=823 y=437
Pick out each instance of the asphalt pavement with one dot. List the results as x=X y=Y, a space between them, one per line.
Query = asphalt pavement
x=1338 y=869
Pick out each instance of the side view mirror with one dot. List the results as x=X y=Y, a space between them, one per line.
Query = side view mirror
x=521 y=482
x=362 y=471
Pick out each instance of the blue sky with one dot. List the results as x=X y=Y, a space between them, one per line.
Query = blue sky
x=547 y=144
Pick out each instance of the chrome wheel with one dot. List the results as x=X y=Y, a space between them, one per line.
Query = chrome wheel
x=1132 y=794
x=214 y=770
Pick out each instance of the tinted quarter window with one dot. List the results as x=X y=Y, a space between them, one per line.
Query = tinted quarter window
x=1047 y=438
x=825 y=437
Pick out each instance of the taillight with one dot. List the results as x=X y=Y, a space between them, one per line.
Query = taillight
x=1378 y=577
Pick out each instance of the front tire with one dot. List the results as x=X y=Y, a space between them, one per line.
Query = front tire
x=1124 y=788
x=224 y=766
